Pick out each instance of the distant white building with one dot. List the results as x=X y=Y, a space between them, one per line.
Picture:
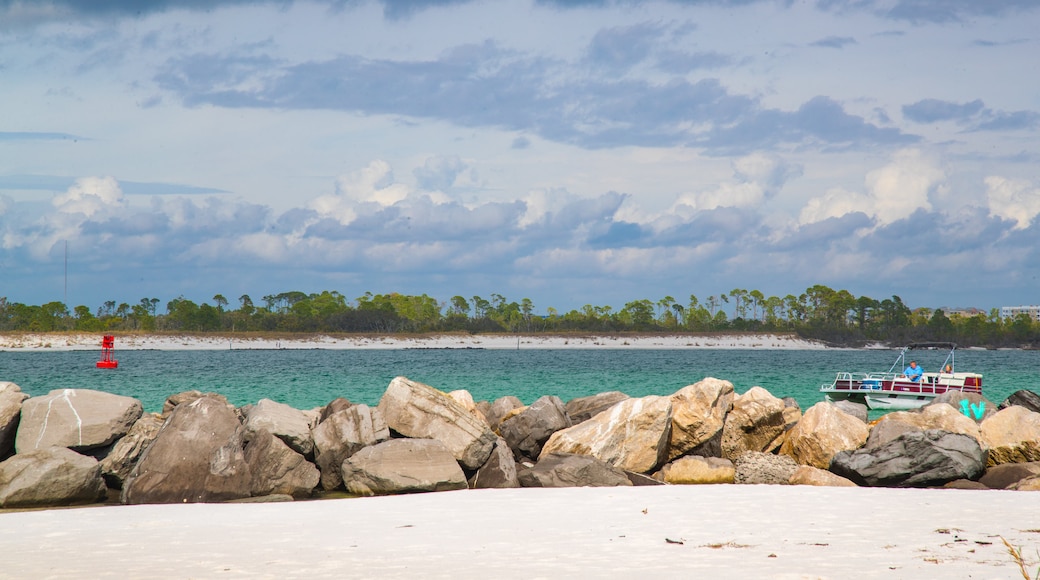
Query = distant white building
x=1013 y=311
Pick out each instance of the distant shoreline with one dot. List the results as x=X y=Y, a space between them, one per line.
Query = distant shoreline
x=264 y=341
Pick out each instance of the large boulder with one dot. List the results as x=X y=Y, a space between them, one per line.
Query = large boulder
x=823 y=431
x=188 y=396
x=755 y=467
x=50 y=476
x=403 y=466
x=526 y=431
x=465 y=399
x=1012 y=435
x=291 y=425
x=1023 y=398
x=857 y=410
x=942 y=416
x=421 y=411
x=79 y=419
x=694 y=469
x=755 y=423
x=197 y=457
x=498 y=471
x=119 y=463
x=972 y=405
x=632 y=435
x=569 y=470
x=11 y=397
x=277 y=468
x=916 y=459
x=1006 y=475
x=698 y=415
x=342 y=434
x=582 y=409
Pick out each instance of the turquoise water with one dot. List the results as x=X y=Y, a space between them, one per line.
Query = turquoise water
x=311 y=378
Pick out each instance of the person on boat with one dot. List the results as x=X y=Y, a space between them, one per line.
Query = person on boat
x=948 y=370
x=913 y=372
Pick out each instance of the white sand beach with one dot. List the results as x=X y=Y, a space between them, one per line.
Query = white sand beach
x=89 y=341
x=713 y=531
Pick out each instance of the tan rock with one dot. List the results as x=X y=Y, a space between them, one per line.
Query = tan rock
x=11 y=397
x=632 y=435
x=698 y=415
x=1012 y=435
x=694 y=469
x=465 y=399
x=941 y=416
x=824 y=431
x=809 y=475
x=421 y=411
x=1028 y=484
x=120 y=462
x=80 y=419
x=755 y=423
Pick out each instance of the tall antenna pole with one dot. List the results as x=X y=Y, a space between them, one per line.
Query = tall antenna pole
x=66 y=274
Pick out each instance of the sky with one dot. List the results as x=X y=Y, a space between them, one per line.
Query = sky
x=568 y=151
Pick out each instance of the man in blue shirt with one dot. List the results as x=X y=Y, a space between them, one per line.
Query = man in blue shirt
x=913 y=372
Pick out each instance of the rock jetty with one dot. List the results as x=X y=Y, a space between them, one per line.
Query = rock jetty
x=75 y=446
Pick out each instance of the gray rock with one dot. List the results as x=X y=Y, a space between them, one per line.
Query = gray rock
x=886 y=431
x=278 y=469
x=755 y=423
x=528 y=430
x=120 y=461
x=50 y=476
x=421 y=411
x=916 y=459
x=584 y=408
x=187 y=397
x=501 y=408
x=857 y=410
x=288 y=424
x=499 y=471
x=972 y=405
x=1023 y=398
x=754 y=467
x=568 y=470
x=11 y=397
x=342 y=434
x=335 y=405
x=403 y=466
x=197 y=457
x=79 y=419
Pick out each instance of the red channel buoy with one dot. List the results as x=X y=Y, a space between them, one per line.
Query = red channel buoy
x=107 y=344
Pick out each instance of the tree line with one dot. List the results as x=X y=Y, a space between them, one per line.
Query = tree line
x=821 y=313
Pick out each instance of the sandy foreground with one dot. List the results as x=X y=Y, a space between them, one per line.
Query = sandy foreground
x=89 y=341
x=713 y=531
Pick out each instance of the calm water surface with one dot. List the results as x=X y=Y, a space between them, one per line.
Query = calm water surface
x=311 y=378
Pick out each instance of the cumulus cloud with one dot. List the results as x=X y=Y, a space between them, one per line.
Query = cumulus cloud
x=90 y=195
x=1013 y=199
x=892 y=193
x=757 y=178
x=439 y=172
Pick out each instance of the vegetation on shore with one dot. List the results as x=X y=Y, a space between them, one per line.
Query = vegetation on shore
x=820 y=313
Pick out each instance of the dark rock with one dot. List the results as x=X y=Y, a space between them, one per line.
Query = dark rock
x=529 y=429
x=642 y=479
x=197 y=457
x=582 y=409
x=917 y=459
x=50 y=476
x=568 y=470
x=964 y=484
x=403 y=466
x=1023 y=398
x=1005 y=475
x=499 y=471
x=335 y=405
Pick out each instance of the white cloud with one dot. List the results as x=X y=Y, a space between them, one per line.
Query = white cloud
x=90 y=195
x=1013 y=199
x=893 y=192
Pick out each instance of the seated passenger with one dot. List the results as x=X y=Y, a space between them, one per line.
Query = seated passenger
x=913 y=372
